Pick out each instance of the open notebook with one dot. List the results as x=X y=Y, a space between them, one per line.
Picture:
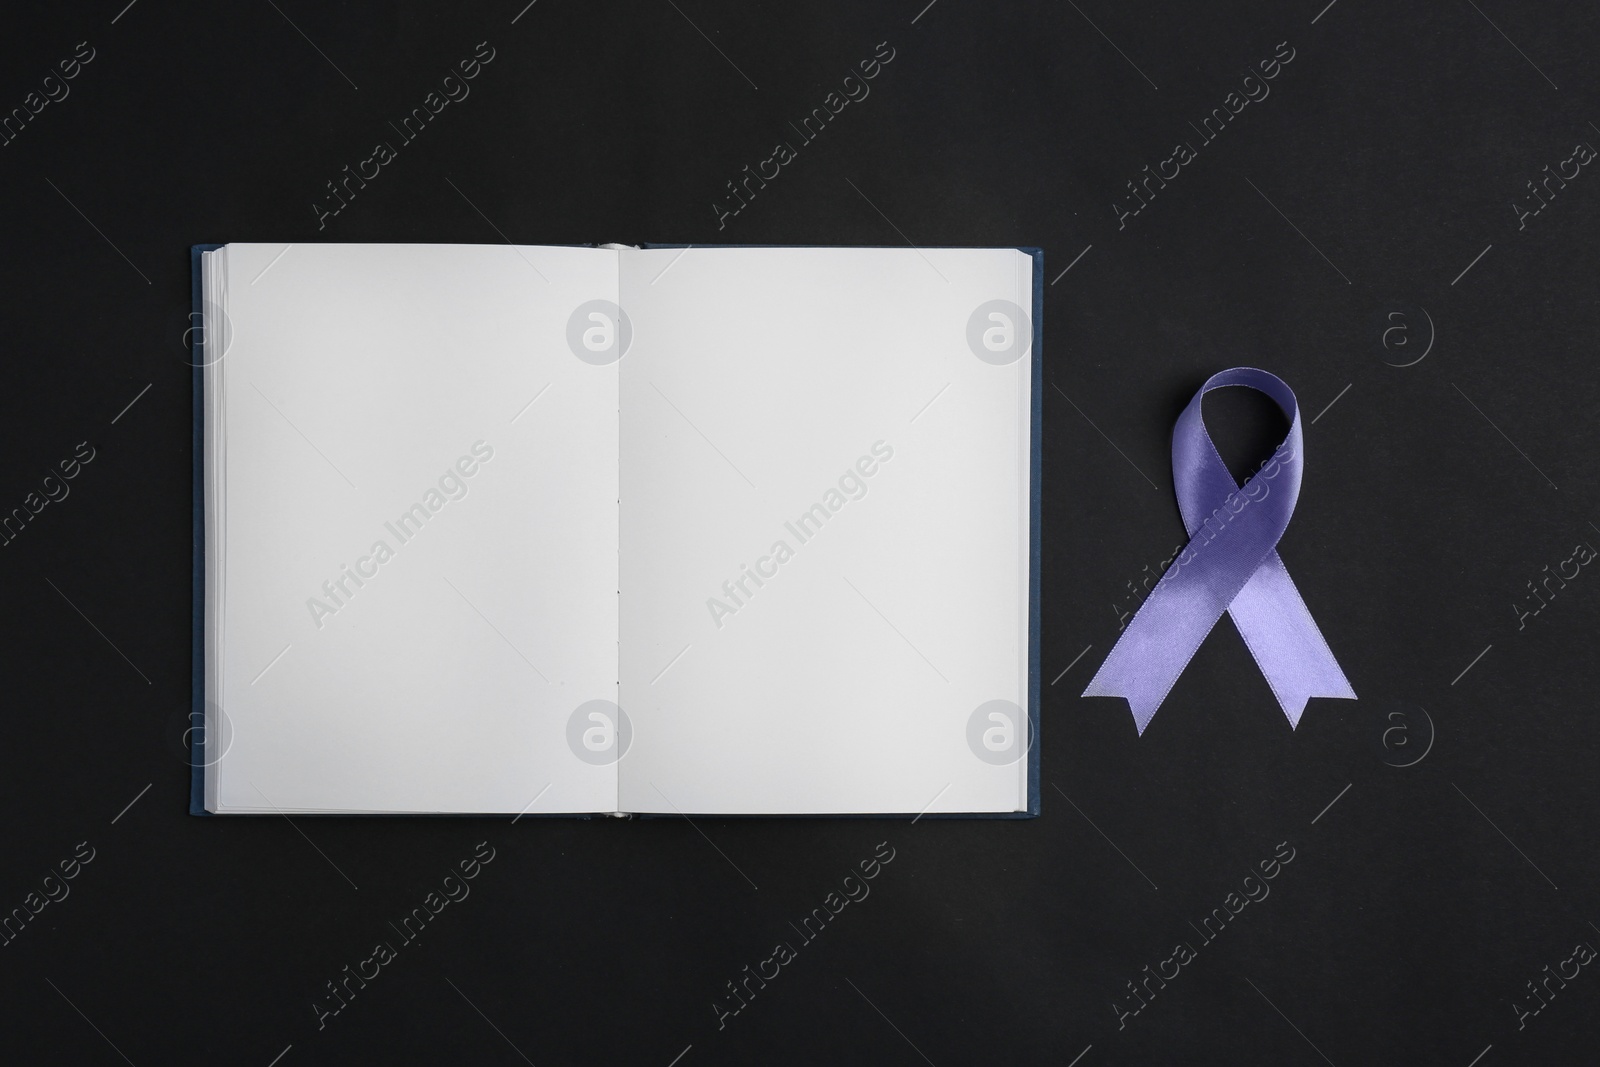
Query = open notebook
x=559 y=530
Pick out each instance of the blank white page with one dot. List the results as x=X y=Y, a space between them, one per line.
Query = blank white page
x=843 y=678
x=360 y=383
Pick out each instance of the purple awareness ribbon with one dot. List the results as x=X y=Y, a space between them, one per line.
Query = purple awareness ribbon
x=1230 y=566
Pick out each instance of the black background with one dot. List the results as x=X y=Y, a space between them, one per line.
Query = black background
x=1386 y=158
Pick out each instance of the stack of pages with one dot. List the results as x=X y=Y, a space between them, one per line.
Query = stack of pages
x=558 y=530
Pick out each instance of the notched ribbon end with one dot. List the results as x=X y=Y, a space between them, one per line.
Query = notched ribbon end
x=1294 y=707
x=1143 y=711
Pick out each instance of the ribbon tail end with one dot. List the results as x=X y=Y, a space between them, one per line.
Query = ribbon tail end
x=1143 y=710
x=1294 y=707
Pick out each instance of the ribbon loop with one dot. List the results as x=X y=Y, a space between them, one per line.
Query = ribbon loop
x=1230 y=566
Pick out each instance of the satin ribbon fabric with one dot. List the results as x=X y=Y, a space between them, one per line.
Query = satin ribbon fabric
x=1230 y=566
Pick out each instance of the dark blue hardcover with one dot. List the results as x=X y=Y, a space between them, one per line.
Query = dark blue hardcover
x=197 y=651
